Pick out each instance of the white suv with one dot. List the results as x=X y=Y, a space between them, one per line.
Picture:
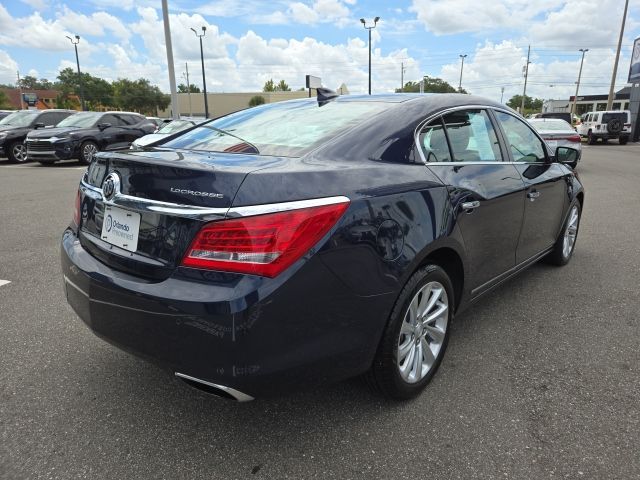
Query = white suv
x=606 y=125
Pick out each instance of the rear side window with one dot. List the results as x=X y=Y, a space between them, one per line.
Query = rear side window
x=469 y=133
x=434 y=142
x=282 y=129
x=472 y=137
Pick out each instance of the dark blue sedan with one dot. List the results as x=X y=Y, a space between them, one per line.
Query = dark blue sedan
x=314 y=240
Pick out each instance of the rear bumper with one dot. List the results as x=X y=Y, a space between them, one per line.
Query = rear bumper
x=256 y=335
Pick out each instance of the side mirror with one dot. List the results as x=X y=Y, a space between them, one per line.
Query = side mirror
x=38 y=125
x=104 y=125
x=567 y=155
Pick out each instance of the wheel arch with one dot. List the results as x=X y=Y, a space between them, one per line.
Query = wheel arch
x=447 y=258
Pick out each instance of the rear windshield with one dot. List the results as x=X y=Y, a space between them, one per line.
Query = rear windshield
x=607 y=117
x=554 y=125
x=82 y=119
x=281 y=129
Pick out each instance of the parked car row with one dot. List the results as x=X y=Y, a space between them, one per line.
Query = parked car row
x=47 y=136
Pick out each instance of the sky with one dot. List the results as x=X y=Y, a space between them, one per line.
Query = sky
x=250 y=41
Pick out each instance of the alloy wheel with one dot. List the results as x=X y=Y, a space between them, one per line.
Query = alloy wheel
x=571 y=232
x=423 y=332
x=19 y=152
x=88 y=152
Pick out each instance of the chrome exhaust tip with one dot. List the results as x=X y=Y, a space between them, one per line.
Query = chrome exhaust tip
x=214 y=389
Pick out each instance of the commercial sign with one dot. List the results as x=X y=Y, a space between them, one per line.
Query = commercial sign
x=634 y=69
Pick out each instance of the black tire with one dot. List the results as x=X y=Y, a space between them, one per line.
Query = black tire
x=623 y=140
x=591 y=138
x=87 y=150
x=17 y=152
x=384 y=376
x=559 y=255
x=614 y=126
x=605 y=140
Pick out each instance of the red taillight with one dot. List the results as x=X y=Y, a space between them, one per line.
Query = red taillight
x=261 y=245
x=76 y=209
x=574 y=138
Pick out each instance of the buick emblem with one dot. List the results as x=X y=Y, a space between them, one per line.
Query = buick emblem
x=111 y=186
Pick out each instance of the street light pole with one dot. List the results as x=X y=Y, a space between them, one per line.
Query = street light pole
x=75 y=46
x=204 y=80
x=575 y=97
x=501 y=94
x=364 y=23
x=462 y=57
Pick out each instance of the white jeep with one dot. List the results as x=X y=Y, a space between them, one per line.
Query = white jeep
x=605 y=125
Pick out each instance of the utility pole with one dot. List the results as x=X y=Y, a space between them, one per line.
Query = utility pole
x=186 y=67
x=175 y=109
x=501 y=93
x=20 y=89
x=402 y=69
x=526 y=74
x=462 y=57
x=575 y=97
x=615 y=64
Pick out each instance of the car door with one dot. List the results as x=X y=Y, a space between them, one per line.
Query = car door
x=546 y=186
x=462 y=148
x=113 y=137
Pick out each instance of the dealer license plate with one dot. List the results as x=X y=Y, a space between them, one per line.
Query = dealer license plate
x=121 y=227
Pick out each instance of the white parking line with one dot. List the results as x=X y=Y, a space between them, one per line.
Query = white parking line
x=4 y=282
x=59 y=169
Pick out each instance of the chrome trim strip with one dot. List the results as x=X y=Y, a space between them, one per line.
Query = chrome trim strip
x=239 y=396
x=252 y=210
x=191 y=211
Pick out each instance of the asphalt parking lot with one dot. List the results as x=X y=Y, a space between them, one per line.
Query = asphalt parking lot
x=541 y=378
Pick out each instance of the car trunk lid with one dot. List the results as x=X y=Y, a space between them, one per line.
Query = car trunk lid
x=162 y=198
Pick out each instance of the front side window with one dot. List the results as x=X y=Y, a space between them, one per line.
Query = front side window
x=524 y=144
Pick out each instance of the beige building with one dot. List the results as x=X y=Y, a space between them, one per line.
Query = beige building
x=224 y=103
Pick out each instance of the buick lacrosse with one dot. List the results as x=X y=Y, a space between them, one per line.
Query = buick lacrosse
x=314 y=240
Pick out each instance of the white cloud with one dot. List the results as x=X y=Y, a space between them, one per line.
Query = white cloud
x=493 y=66
x=8 y=68
x=38 y=5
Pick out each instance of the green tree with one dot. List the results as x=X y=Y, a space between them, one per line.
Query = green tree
x=271 y=86
x=283 y=87
x=431 y=85
x=182 y=88
x=4 y=100
x=256 y=100
x=530 y=104
x=30 y=82
x=139 y=95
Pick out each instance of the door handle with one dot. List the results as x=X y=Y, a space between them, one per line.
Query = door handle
x=533 y=195
x=470 y=206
